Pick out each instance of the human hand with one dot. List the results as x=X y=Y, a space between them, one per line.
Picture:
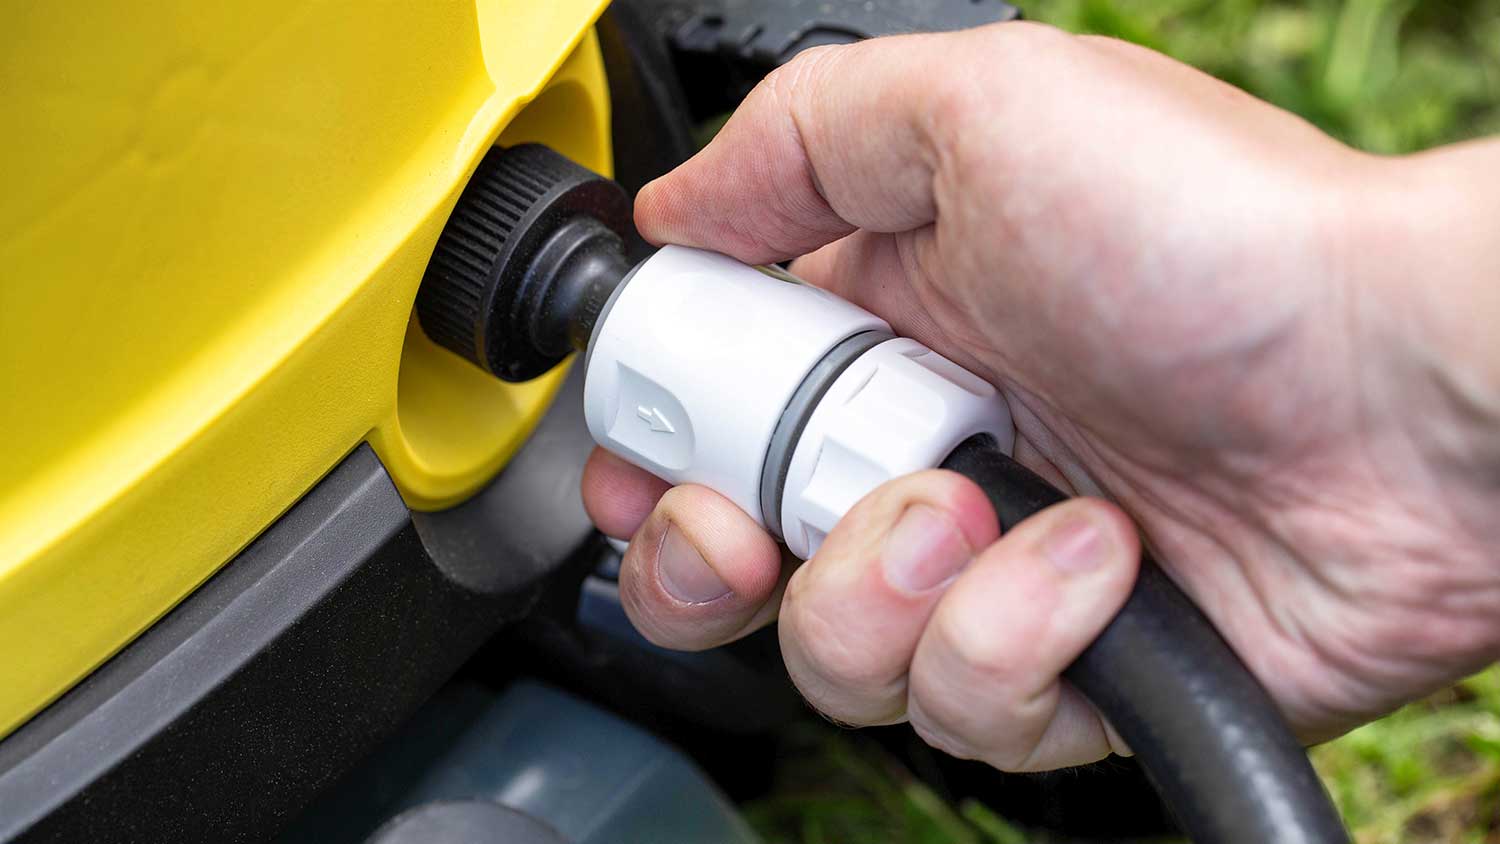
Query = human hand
x=1198 y=308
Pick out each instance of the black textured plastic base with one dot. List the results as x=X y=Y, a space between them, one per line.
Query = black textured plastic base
x=230 y=713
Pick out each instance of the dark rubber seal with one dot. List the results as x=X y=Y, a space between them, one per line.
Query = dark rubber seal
x=609 y=304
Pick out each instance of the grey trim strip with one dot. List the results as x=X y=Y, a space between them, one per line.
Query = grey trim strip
x=794 y=419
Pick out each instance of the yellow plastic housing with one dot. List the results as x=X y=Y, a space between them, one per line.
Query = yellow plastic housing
x=213 y=221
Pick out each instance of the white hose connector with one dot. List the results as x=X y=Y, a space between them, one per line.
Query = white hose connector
x=899 y=408
x=784 y=398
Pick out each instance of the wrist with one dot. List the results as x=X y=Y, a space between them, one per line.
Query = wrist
x=1424 y=290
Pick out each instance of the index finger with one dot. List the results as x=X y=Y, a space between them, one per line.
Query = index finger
x=840 y=138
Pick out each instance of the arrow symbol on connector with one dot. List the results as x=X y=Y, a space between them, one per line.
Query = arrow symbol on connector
x=655 y=418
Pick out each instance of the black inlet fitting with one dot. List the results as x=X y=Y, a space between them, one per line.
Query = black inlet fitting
x=530 y=254
x=568 y=284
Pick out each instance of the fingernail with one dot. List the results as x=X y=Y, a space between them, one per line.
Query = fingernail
x=1076 y=545
x=924 y=550
x=684 y=573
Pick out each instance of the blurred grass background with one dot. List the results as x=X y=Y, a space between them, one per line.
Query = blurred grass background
x=1427 y=774
x=1387 y=76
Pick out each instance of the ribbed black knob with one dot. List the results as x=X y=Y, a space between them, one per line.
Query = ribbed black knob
x=533 y=241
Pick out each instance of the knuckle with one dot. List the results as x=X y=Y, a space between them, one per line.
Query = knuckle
x=1027 y=43
x=979 y=653
x=838 y=661
x=970 y=728
x=953 y=104
x=783 y=84
x=938 y=718
x=845 y=665
x=962 y=106
x=940 y=739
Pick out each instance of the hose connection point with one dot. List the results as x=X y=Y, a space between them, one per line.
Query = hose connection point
x=526 y=262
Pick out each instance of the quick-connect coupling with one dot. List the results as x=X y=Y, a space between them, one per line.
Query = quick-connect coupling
x=786 y=399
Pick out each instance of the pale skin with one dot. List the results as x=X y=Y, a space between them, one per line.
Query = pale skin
x=1273 y=359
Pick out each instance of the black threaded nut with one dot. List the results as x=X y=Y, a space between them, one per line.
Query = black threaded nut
x=479 y=290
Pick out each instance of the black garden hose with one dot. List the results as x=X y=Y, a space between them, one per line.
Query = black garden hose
x=1207 y=734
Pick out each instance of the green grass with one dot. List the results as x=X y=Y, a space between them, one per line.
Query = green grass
x=1387 y=76
x=1428 y=774
x=836 y=788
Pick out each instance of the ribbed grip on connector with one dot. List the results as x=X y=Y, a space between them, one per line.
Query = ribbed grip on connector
x=468 y=254
x=478 y=275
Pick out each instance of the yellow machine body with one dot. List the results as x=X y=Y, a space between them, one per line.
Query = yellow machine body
x=213 y=221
